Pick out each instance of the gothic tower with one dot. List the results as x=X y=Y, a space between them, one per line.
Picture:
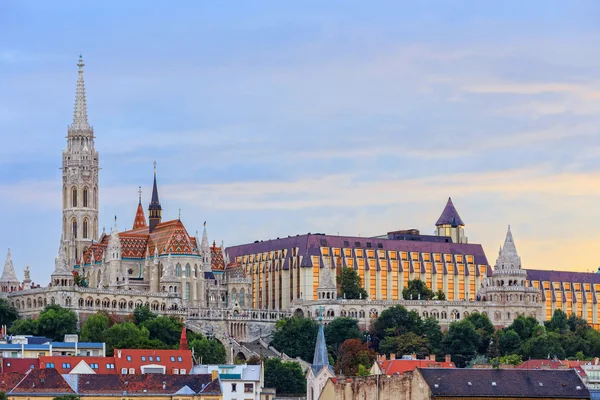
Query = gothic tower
x=154 y=209
x=80 y=180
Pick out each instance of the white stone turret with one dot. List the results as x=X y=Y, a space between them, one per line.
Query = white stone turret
x=80 y=179
x=62 y=275
x=114 y=256
x=9 y=281
x=205 y=255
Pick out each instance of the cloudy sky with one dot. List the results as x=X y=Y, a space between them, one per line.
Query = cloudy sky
x=272 y=118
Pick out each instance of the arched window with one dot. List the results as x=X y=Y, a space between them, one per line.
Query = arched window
x=178 y=269
x=187 y=291
x=85 y=197
x=188 y=271
x=65 y=196
x=241 y=297
x=74 y=197
x=85 y=228
x=74 y=228
x=95 y=198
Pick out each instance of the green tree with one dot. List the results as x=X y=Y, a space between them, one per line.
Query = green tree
x=509 y=341
x=479 y=359
x=440 y=295
x=67 y=397
x=350 y=284
x=511 y=359
x=296 y=337
x=578 y=325
x=543 y=346
x=142 y=314
x=417 y=290
x=484 y=328
x=55 y=322
x=24 y=327
x=209 y=351
x=94 y=328
x=573 y=343
x=286 y=377
x=397 y=320
x=363 y=371
x=254 y=360
x=340 y=330
x=558 y=323
x=431 y=330
x=407 y=343
x=8 y=314
x=165 y=329
x=524 y=326
x=462 y=342
x=128 y=336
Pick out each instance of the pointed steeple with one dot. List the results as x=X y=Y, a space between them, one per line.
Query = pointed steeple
x=183 y=342
x=508 y=257
x=154 y=210
x=8 y=274
x=450 y=216
x=140 y=218
x=80 y=118
x=320 y=359
x=204 y=245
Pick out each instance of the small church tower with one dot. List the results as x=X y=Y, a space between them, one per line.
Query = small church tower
x=8 y=280
x=450 y=224
x=320 y=370
x=80 y=179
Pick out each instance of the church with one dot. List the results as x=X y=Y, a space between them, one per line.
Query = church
x=156 y=263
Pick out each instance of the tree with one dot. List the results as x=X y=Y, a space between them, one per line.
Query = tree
x=165 y=329
x=8 y=314
x=509 y=342
x=363 y=371
x=524 y=326
x=558 y=323
x=350 y=284
x=128 y=336
x=433 y=333
x=397 y=320
x=24 y=327
x=353 y=353
x=512 y=359
x=417 y=290
x=479 y=359
x=461 y=341
x=578 y=325
x=142 y=314
x=209 y=351
x=253 y=360
x=484 y=328
x=55 y=322
x=440 y=295
x=94 y=328
x=286 y=377
x=543 y=346
x=296 y=337
x=340 y=330
x=407 y=343
x=67 y=397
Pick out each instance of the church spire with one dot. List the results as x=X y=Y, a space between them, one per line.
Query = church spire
x=9 y=275
x=140 y=218
x=508 y=258
x=80 y=119
x=321 y=359
x=154 y=210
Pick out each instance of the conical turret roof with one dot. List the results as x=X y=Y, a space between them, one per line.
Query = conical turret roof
x=321 y=358
x=8 y=274
x=450 y=216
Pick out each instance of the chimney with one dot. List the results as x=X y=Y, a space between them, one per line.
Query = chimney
x=392 y=356
x=448 y=358
x=215 y=374
x=413 y=356
x=596 y=361
x=432 y=357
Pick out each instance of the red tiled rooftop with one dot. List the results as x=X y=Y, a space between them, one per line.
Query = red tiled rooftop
x=399 y=366
x=143 y=383
x=143 y=357
x=46 y=380
x=9 y=380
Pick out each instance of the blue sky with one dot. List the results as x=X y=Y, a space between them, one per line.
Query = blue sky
x=269 y=119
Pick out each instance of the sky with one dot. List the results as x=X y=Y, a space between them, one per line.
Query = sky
x=274 y=118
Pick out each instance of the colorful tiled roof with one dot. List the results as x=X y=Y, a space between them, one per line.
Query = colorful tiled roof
x=310 y=244
x=43 y=380
x=170 y=359
x=450 y=216
x=514 y=383
x=169 y=237
x=140 y=218
x=216 y=258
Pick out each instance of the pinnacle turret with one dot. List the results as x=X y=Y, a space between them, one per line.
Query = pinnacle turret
x=8 y=274
x=80 y=119
x=508 y=257
x=155 y=209
x=321 y=358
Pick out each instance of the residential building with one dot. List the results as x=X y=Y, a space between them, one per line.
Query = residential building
x=237 y=381
x=396 y=366
x=151 y=361
x=36 y=346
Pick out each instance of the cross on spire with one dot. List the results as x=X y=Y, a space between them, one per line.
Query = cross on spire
x=140 y=193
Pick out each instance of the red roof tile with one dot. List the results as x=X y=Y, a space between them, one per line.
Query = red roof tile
x=10 y=380
x=136 y=358
x=43 y=380
x=21 y=365
x=145 y=383
x=64 y=364
x=391 y=367
x=553 y=364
